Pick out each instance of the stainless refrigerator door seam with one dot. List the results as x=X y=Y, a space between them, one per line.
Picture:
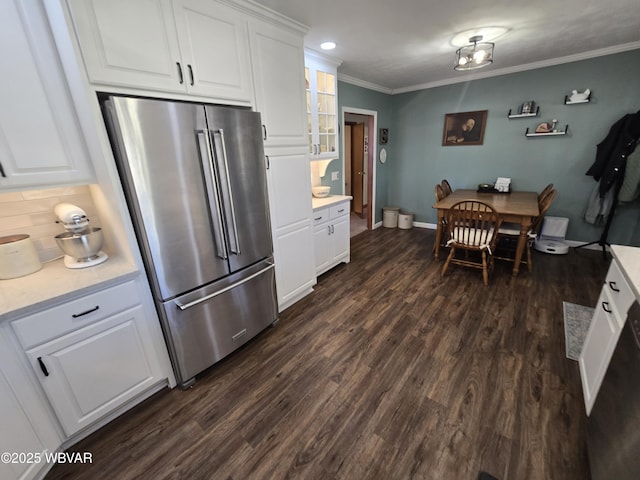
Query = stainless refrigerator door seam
x=184 y=306
x=203 y=135
x=220 y=133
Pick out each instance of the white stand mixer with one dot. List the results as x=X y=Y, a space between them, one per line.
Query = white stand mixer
x=80 y=243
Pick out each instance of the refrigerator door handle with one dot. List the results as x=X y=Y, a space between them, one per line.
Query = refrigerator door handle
x=184 y=306
x=203 y=137
x=220 y=133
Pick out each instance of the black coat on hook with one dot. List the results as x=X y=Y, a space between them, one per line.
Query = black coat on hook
x=612 y=152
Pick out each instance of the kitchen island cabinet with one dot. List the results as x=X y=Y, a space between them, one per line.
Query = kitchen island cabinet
x=331 y=232
x=196 y=47
x=40 y=139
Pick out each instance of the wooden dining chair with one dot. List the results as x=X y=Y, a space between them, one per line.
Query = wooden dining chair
x=545 y=192
x=446 y=187
x=473 y=228
x=510 y=232
x=439 y=194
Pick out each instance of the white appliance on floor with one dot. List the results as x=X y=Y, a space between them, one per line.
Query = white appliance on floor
x=552 y=236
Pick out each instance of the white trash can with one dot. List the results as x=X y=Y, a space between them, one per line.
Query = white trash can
x=390 y=217
x=405 y=220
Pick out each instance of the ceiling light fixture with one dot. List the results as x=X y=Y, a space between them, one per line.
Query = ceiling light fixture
x=477 y=55
x=328 y=45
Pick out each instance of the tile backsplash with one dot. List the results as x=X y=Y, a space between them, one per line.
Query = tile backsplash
x=31 y=213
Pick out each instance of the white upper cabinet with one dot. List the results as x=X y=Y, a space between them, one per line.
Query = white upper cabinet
x=321 y=77
x=198 y=47
x=40 y=140
x=277 y=56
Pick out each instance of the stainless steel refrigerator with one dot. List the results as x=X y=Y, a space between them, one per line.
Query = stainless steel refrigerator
x=195 y=182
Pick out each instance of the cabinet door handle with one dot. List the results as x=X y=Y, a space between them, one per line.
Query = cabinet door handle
x=2 y=174
x=614 y=287
x=264 y=132
x=268 y=162
x=180 y=73
x=333 y=230
x=190 y=73
x=76 y=315
x=604 y=307
x=43 y=367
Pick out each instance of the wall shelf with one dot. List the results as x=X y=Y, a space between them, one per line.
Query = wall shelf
x=573 y=102
x=523 y=115
x=547 y=134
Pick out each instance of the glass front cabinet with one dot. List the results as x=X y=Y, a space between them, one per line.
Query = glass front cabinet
x=322 y=105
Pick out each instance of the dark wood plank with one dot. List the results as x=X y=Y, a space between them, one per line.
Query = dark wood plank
x=386 y=371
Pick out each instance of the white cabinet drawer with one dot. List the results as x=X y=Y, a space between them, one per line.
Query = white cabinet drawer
x=57 y=321
x=320 y=215
x=339 y=210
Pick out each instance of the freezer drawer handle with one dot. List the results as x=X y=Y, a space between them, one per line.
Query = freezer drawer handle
x=43 y=367
x=239 y=334
x=184 y=306
x=229 y=190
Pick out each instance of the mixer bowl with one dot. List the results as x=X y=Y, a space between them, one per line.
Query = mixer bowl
x=83 y=245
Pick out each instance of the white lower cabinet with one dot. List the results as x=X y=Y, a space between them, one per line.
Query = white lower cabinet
x=292 y=230
x=91 y=355
x=90 y=372
x=331 y=236
x=606 y=325
x=28 y=434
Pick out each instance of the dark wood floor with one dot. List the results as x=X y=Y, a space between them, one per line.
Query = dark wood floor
x=386 y=371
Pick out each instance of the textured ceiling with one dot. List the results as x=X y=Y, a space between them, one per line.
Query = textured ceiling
x=404 y=44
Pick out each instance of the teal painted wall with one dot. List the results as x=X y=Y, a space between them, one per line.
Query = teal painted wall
x=419 y=160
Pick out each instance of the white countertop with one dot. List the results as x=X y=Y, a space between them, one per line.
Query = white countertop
x=330 y=200
x=55 y=283
x=629 y=262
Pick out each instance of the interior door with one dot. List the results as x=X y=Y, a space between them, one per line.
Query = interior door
x=357 y=167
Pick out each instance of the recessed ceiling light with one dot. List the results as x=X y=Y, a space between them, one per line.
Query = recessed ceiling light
x=328 y=45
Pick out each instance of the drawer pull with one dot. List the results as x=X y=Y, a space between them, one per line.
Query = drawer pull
x=76 y=315
x=43 y=367
x=317 y=218
x=341 y=210
x=613 y=286
x=604 y=307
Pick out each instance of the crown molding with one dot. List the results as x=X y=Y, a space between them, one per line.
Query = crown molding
x=521 y=68
x=364 y=84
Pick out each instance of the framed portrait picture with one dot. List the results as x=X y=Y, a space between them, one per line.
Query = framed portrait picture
x=465 y=128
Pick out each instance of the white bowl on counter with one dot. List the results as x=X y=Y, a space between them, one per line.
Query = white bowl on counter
x=320 y=191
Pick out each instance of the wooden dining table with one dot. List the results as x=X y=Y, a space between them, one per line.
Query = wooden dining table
x=516 y=207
